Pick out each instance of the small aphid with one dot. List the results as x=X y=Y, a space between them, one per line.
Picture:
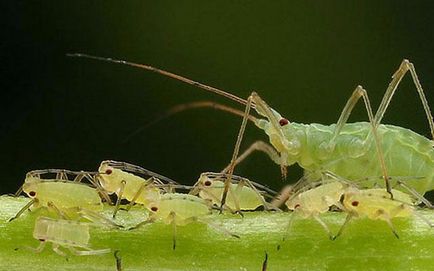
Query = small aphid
x=181 y=209
x=243 y=194
x=376 y=204
x=118 y=178
x=68 y=199
x=316 y=201
x=72 y=235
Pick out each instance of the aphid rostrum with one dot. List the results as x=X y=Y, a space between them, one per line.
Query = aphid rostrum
x=72 y=235
x=346 y=149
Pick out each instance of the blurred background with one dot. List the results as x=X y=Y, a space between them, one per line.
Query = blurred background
x=303 y=57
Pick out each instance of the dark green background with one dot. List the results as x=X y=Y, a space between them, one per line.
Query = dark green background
x=303 y=57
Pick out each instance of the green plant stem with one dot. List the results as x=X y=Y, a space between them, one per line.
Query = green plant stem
x=364 y=245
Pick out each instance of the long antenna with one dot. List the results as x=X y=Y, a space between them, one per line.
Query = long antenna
x=165 y=73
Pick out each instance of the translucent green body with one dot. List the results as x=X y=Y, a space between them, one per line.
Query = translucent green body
x=63 y=195
x=353 y=154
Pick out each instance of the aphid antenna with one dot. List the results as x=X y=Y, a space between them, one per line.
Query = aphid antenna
x=165 y=73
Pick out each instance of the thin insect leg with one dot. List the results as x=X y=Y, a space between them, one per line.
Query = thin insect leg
x=118 y=260
x=147 y=221
x=291 y=220
x=19 y=191
x=358 y=93
x=390 y=224
x=211 y=195
x=165 y=73
x=256 y=146
x=266 y=205
x=324 y=225
x=56 y=248
x=347 y=219
x=94 y=181
x=93 y=216
x=393 y=85
x=214 y=226
x=416 y=194
x=282 y=197
x=138 y=193
x=88 y=252
x=265 y=262
x=421 y=217
x=38 y=249
x=118 y=200
x=61 y=214
x=172 y=215
x=235 y=154
x=22 y=210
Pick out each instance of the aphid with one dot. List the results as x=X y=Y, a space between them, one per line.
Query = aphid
x=377 y=205
x=69 y=234
x=316 y=201
x=68 y=199
x=117 y=177
x=346 y=149
x=181 y=209
x=243 y=194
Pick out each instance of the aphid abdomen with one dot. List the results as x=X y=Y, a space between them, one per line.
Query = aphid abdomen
x=62 y=232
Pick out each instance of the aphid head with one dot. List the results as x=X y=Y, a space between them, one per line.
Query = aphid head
x=279 y=129
x=205 y=181
x=31 y=188
x=109 y=177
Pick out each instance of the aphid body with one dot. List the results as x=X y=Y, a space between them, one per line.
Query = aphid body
x=64 y=233
x=242 y=194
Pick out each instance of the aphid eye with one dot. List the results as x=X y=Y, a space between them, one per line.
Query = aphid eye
x=32 y=193
x=283 y=122
x=355 y=203
x=154 y=209
x=207 y=183
x=296 y=206
x=42 y=240
x=108 y=171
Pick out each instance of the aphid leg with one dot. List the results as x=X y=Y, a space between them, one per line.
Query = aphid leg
x=96 y=184
x=19 y=191
x=136 y=196
x=358 y=93
x=324 y=225
x=118 y=260
x=235 y=153
x=88 y=251
x=429 y=223
x=282 y=197
x=118 y=200
x=38 y=249
x=172 y=215
x=59 y=212
x=213 y=225
x=147 y=221
x=291 y=220
x=56 y=248
x=257 y=146
x=61 y=175
x=393 y=85
x=416 y=194
x=266 y=205
x=265 y=262
x=22 y=210
x=94 y=216
x=347 y=219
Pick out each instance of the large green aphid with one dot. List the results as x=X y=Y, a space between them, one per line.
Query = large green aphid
x=353 y=151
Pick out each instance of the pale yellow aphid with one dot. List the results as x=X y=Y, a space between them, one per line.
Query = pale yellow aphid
x=316 y=201
x=376 y=204
x=181 y=209
x=243 y=194
x=118 y=178
x=69 y=234
x=68 y=199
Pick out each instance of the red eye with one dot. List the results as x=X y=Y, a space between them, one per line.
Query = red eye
x=283 y=122
x=154 y=209
x=32 y=193
x=207 y=183
x=108 y=171
x=355 y=203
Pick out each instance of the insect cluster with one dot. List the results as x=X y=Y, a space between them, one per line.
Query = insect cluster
x=365 y=169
